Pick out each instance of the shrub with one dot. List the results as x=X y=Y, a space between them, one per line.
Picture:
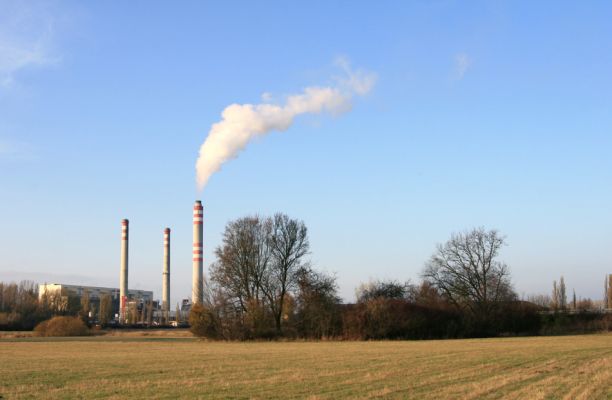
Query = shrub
x=203 y=322
x=383 y=318
x=62 y=326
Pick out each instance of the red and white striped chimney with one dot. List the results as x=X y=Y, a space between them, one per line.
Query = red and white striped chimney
x=197 y=290
x=166 y=276
x=123 y=278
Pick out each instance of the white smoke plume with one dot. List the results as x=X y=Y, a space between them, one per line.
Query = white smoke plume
x=241 y=123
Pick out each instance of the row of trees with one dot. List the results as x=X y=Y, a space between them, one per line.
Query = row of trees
x=21 y=307
x=262 y=286
x=558 y=300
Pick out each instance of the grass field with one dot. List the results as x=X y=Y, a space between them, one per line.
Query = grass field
x=181 y=367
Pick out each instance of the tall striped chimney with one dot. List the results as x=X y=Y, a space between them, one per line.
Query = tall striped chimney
x=123 y=278
x=198 y=254
x=166 y=276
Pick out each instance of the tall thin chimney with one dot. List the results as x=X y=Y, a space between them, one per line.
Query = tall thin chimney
x=198 y=254
x=123 y=278
x=166 y=276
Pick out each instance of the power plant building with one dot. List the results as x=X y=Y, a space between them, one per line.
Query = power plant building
x=124 y=298
x=94 y=292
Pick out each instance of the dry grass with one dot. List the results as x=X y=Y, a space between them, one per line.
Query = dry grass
x=168 y=333
x=162 y=367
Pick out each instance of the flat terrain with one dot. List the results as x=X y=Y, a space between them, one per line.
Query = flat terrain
x=163 y=366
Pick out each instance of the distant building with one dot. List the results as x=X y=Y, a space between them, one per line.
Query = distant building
x=95 y=293
x=63 y=297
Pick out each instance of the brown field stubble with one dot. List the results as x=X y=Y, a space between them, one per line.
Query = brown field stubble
x=148 y=367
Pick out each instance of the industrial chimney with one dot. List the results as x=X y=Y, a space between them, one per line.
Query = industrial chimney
x=123 y=278
x=198 y=254
x=166 y=277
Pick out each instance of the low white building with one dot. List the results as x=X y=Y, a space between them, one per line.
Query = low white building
x=94 y=292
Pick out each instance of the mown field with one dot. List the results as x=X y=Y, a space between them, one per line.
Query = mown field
x=181 y=367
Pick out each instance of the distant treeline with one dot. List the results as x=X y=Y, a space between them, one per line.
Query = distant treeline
x=21 y=307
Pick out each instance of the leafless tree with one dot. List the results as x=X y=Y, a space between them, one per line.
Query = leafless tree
x=466 y=271
x=149 y=312
x=85 y=306
x=562 y=294
x=387 y=289
x=317 y=301
x=541 y=300
x=178 y=317
x=607 y=301
x=559 y=295
x=242 y=260
x=554 y=300
x=106 y=309
x=288 y=244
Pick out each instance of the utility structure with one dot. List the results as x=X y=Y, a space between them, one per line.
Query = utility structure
x=197 y=290
x=166 y=277
x=123 y=278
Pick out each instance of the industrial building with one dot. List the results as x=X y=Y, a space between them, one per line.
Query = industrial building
x=124 y=299
x=95 y=293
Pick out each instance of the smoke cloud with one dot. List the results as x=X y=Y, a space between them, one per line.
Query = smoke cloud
x=240 y=123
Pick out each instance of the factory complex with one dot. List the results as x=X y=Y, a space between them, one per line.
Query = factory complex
x=125 y=302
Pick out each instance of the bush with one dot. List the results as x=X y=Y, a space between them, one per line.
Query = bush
x=62 y=326
x=203 y=322
x=383 y=318
x=584 y=322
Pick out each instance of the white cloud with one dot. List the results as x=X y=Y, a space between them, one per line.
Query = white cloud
x=462 y=63
x=26 y=37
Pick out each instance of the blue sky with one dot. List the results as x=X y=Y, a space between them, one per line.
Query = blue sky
x=493 y=114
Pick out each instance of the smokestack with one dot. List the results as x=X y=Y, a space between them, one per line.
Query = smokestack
x=198 y=254
x=123 y=278
x=166 y=276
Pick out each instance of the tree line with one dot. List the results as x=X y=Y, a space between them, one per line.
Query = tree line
x=263 y=286
x=21 y=307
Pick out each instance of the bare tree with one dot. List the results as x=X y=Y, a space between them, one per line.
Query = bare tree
x=242 y=260
x=150 y=312
x=106 y=309
x=559 y=295
x=178 y=317
x=554 y=300
x=318 y=311
x=542 y=300
x=562 y=294
x=288 y=244
x=465 y=270
x=85 y=306
x=374 y=289
x=607 y=303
